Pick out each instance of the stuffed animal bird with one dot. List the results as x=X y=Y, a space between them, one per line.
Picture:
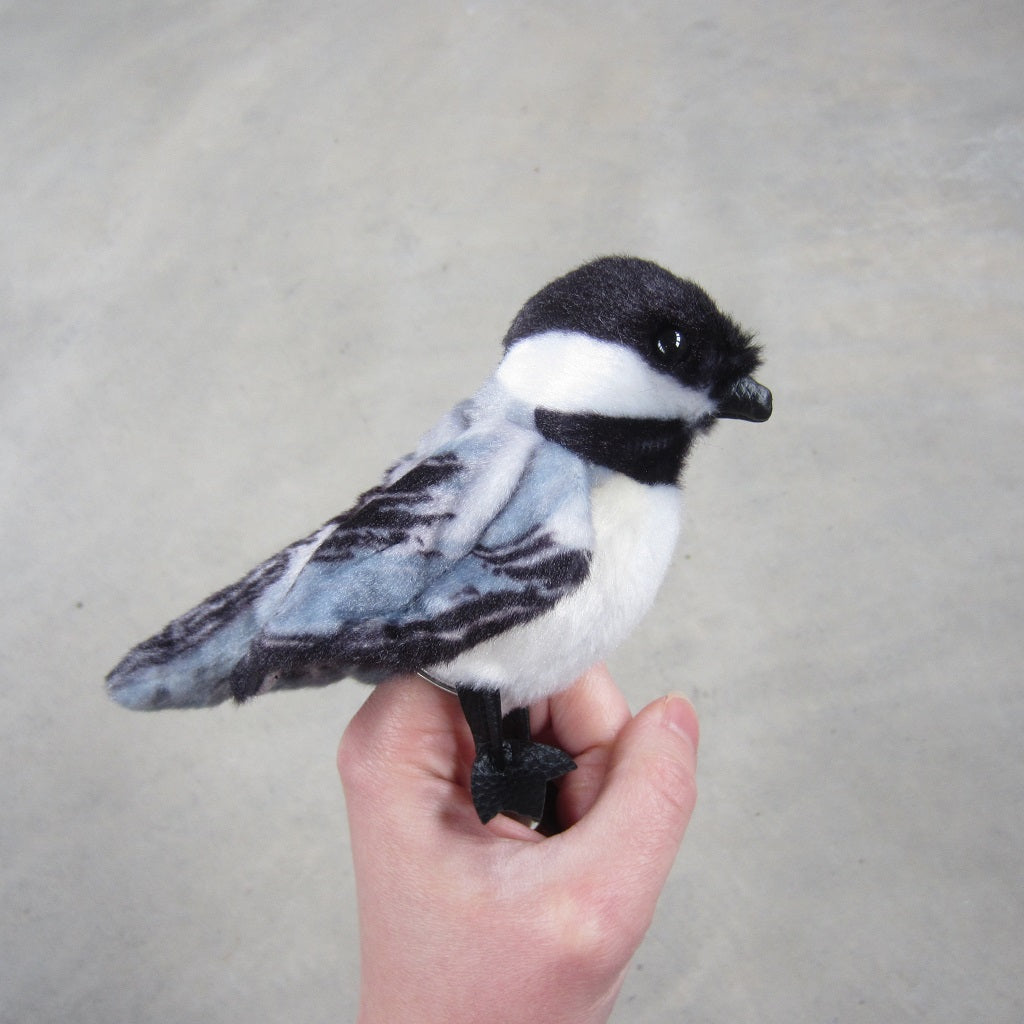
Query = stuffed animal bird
x=522 y=541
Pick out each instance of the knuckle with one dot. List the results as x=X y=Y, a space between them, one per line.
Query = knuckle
x=354 y=759
x=594 y=931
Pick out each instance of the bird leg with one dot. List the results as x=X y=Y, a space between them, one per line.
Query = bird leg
x=510 y=772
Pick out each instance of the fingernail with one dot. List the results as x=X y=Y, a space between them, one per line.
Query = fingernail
x=681 y=716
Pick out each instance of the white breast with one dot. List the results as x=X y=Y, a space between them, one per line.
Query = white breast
x=635 y=529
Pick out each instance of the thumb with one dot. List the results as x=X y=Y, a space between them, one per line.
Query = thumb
x=648 y=796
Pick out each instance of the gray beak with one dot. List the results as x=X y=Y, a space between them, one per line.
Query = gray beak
x=747 y=400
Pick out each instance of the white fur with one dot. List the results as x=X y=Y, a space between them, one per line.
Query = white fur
x=635 y=531
x=573 y=372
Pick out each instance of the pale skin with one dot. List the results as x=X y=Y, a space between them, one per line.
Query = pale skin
x=462 y=922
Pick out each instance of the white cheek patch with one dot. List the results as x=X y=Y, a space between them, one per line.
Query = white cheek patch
x=572 y=372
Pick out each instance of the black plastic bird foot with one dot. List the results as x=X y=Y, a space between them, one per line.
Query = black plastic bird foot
x=520 y=787
x=510 y=773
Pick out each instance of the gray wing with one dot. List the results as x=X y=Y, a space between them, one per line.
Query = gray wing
x=487 y=531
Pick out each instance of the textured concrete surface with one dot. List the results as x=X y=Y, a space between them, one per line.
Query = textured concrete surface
x=249 y=251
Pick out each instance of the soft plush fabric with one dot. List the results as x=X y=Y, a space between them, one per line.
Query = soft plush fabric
x=523 y=539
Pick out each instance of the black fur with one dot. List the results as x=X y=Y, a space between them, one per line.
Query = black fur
x=384 y=515
x=649 y=450
x=632 y=301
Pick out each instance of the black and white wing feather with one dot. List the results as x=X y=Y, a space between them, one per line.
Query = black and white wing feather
x=485 y=527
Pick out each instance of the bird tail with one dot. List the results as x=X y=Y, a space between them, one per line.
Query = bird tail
x=190 y=663
x=179 y=668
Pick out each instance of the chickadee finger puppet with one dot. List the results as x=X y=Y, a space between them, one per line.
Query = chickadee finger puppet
x=521 y=542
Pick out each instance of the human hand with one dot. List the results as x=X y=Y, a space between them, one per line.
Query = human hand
x=462 y=922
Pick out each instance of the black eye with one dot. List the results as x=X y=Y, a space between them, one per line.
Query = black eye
x=668 y=346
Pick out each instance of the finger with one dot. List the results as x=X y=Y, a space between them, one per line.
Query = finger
x=590 y=713
x=638 y=819
x=584 y=721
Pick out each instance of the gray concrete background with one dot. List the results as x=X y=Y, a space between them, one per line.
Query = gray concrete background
x=251 y=250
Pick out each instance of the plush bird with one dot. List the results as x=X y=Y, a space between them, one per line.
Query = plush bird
x=522 y=541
